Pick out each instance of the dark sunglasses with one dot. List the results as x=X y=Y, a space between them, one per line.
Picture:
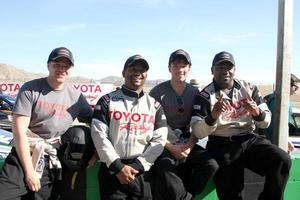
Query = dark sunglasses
x=180 y=102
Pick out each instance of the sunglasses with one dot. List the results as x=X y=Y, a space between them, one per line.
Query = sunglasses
x=296 y=87
x=180 y=103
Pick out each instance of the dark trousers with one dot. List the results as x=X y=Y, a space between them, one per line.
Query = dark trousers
x=254 y=152
x=12 y=182
x=185 y=180
x=112 y=189
x=73 y=185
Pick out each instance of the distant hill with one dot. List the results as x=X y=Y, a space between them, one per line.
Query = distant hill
x=12 y=73
x=9 y=72
x=116 y=80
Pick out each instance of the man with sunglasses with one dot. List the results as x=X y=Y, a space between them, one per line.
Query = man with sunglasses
x=228 y=111
x=45 y=109
x=184 y=167
x=270 y=100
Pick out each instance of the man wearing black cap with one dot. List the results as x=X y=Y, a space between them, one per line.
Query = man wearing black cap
x=129 y=132
x=184 y=168
x=45 y=108
x=270 y=100
x=227 y=111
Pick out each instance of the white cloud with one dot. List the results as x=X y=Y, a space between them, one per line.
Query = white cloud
x=70 y=27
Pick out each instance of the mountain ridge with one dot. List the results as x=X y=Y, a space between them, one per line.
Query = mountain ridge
x=12 y=73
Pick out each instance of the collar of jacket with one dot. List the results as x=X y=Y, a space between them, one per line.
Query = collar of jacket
x=236 y=85
x=132 y=93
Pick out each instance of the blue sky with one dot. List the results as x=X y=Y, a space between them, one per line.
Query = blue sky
x=103 y=34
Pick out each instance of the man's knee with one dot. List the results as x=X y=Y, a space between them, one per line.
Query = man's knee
x=281 y=161
x=286 y=161
x=164 y=164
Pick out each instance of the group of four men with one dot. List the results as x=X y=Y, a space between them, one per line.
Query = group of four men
x=147 y=143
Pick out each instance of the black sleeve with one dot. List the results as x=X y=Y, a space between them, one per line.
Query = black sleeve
x=101 y=111
x=116 y=166
x=201 y=107
x=86 y=111
x=137 y=165
x=155 y=94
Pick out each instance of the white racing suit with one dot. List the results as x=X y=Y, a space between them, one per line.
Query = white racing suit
x=235 y=146
x=127 y=128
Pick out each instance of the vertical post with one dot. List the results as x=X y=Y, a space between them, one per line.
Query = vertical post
x=284 y=48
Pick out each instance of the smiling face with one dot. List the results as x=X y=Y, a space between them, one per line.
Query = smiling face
x=59 y=71
x=223 y=74
x=179 y=69
x=135 y=76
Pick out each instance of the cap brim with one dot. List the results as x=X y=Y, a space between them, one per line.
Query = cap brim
x=62 y=56
x=181 y=55
x=224 y=60
x=146 y=65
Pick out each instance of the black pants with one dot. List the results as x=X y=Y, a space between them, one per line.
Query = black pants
x=112 y=189
x=255 y=153
x=183 y=181
x=73 y=185
x=12 y=182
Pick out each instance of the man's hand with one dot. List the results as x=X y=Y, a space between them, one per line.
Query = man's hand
x=179 y=151
x=290 y=147
x=219 y=107
x=93 y=159
x=33 y=181
x=186 y=149
x=127 y=174
x=251 y=106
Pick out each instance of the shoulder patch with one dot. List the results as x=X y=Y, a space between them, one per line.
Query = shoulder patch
x=204 y=94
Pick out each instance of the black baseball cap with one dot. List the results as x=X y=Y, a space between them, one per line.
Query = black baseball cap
x=294 y=79
x=61 y=52
x=182 y=53
x=223 y=57
x=135 y=58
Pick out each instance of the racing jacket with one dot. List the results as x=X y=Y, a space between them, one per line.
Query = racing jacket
x=127 y=125
x=236 y=119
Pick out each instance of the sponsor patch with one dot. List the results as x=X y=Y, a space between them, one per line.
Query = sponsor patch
x=117 y=97
x=64 y=52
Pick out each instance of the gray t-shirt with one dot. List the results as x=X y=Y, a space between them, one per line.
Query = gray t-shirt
x=178 y=109
x=52 y=112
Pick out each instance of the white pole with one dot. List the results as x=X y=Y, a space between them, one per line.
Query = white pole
x=284 y=53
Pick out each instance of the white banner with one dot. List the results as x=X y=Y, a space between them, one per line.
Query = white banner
x=92 y=91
